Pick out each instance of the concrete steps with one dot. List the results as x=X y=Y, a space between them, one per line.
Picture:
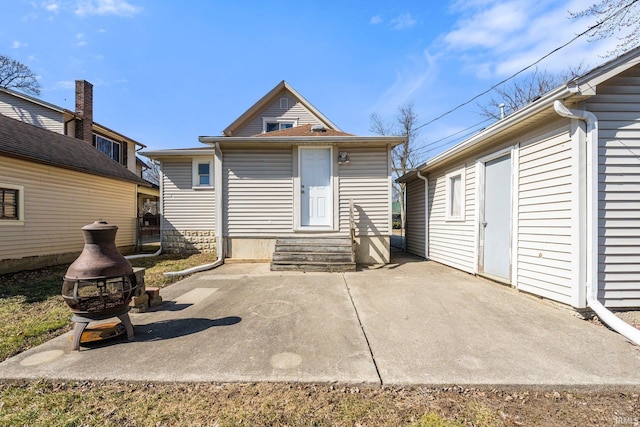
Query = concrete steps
x=329 y=254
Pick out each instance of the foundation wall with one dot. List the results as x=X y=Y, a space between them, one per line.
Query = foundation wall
x=189 y=241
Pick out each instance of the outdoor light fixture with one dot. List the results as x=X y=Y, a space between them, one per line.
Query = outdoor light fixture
x=343 y=158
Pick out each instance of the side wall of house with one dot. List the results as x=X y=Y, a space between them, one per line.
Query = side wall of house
x=546 y=221
x=416 y=222
x=31 y=113
x=618 y=112
x=543 y=261
x=453 y=242
x=294 y=111
x=365 y=180
x=57 y=204
x=188 y=214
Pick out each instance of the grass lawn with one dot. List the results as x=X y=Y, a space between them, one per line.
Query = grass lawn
x=32 y=311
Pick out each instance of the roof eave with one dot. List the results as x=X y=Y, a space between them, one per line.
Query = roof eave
x=541 y=104
x=108 y=130
x=577 y=89
x=158 y=154
x=133 y=180
x=33 y=100
x=392 y=140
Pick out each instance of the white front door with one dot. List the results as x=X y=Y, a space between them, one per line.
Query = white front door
x=316 y=197
x=496 y=225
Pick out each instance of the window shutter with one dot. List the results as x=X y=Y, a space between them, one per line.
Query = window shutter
x=125 y=154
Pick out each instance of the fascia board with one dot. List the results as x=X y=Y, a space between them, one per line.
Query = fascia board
x=177 y=153
x=498 y=127
x=383 y=140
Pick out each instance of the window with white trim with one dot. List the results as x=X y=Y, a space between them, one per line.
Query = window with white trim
x=203 y=172
x=270 y=124
x=284 y=103
x=109 y=147
x=11 y=203
x=455 y=195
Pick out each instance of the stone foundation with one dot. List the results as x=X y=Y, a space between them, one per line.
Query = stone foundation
x=189 y=241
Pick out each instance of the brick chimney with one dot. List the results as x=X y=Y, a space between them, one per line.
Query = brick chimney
x=84 y=108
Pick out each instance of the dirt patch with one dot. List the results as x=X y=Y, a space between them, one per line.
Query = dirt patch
x=631 y=317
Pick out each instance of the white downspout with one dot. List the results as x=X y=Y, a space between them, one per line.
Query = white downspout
x=426 y=214
x=217 y=170
x=603 y=313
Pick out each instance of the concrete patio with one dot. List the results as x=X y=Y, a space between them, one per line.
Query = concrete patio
x=409 y=323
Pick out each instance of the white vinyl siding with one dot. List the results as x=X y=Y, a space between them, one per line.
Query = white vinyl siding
x=415 y=232
x=453 y=242
x=544 y=219
x=258 y=192
x=617 y=107
x=58 y=203
x=31 y=113
x=365 y=180
x=183 y=207
x=296 y=112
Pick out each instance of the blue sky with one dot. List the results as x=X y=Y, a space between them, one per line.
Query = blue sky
x=165 y=72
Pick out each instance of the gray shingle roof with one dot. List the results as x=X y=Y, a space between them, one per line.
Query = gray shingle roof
x=24 y=141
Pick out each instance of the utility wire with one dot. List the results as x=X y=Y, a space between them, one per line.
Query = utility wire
x=424 y=147
x=593 y=27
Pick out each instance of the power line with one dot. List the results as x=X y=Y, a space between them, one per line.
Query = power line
x=423 y=147
x=450 y=142
x=528 y=66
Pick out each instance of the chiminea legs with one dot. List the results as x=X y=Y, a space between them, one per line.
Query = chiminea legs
x=83 y=322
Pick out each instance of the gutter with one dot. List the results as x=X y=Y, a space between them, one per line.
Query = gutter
x=217 y=170
x=617 y=324
x=426 y=214
x=264 y=140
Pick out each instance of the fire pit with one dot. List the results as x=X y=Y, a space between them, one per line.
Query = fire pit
x=100 y=283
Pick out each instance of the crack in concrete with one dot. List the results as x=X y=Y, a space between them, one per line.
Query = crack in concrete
x=366 y=338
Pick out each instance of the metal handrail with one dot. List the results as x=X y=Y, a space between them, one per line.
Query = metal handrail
x=352 y=228
x=352 y=221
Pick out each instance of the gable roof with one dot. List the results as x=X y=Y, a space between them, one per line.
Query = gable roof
x=32 y=100
x=96 y=126
x=28 y=142
x=304 y=130
x=576 y=90
x=267 y=99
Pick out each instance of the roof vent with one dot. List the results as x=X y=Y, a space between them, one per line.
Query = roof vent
x=318 y=128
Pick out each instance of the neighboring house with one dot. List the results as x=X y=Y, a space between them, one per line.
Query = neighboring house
x=77 y=124
x=51 y=186
x=282 y=169
x=546 y=200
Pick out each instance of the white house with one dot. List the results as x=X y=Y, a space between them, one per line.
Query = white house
x=548 y=198
x=281 y=170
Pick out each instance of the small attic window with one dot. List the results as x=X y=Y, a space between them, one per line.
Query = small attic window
x=284 y=103
x=270 y=124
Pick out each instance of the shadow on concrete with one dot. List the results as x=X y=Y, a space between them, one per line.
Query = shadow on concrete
x=398 y=256
x=174 y=328
x=169 y=306
x=398 y=259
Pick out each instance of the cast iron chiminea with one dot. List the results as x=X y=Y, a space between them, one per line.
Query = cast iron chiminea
x=100 y=283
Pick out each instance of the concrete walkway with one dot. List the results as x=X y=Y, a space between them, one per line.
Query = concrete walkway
x=414 y=322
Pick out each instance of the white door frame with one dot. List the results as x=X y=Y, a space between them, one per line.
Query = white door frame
x=297 y=193
x=480 y=198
